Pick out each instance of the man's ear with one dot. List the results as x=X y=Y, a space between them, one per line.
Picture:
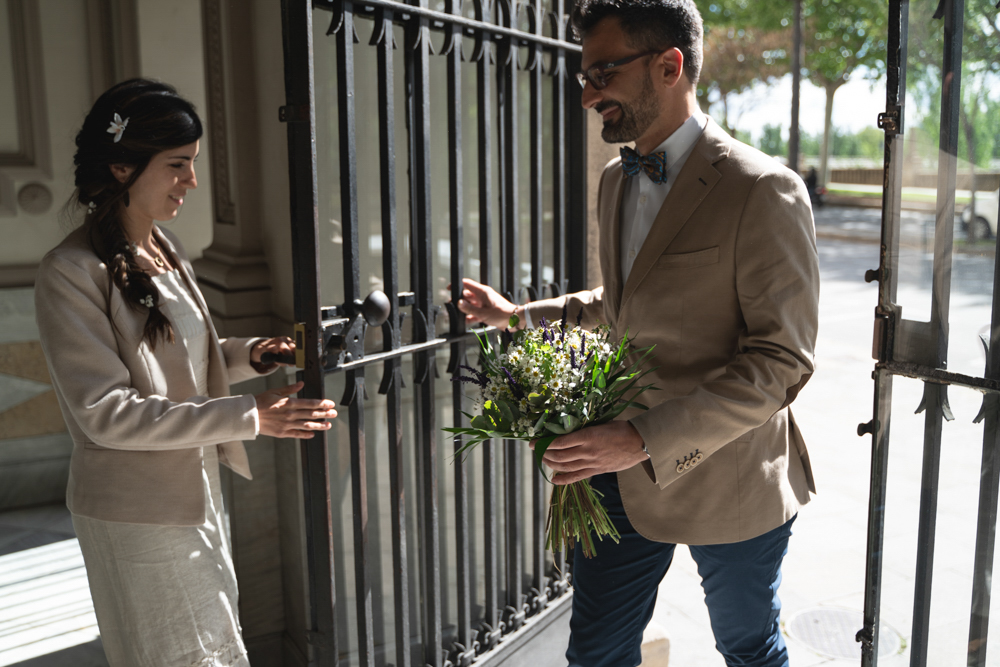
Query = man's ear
x=672 y=61
x=121 y=172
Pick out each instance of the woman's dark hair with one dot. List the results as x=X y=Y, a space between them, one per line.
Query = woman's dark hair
x=649 y=25
x=156 y=119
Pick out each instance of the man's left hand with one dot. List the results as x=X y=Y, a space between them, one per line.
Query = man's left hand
x=594 y=450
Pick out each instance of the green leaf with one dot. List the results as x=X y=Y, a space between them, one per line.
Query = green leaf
x=507 y=411
x=541 y=445
x=555 y=428
x=513 y=321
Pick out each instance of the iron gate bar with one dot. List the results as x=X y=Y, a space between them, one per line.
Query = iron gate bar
x=886 y=314
x=465 y=647
x=538 y=597
x=559 y=76
x=472 y=26
x=989 y=490
x=354 y=386
x=935 y=399
x=392 y=380
x=576 y=202
x=490 y=632
x=507 y=109
x=421 y=268
x=940 y=377
x=297 y=47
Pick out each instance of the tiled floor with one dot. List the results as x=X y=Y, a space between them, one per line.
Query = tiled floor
x=46 y=615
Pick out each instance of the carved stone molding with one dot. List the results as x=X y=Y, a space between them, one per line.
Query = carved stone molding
x=113 y=43
x=33 y=157
x=215 y=81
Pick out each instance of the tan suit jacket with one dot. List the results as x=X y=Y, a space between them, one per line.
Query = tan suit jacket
x=137 y=425
x=726 y=287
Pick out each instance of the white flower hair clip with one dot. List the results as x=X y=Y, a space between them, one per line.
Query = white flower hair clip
x=118 y=127
x=91 y=207
x=148 y=301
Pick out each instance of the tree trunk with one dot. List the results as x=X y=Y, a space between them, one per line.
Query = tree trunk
x=824 y=149
x=793 y=128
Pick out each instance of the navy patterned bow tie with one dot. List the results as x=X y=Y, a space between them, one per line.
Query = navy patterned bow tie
x=654 y=165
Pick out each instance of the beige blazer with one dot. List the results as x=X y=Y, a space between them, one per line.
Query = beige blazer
x=726 y=287
x=137 y=425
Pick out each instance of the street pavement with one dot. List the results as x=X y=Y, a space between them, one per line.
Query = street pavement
x=824 y=572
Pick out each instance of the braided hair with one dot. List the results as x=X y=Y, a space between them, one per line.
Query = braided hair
x=156 y=119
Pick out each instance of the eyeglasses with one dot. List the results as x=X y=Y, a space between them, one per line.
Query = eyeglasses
x=595 y=73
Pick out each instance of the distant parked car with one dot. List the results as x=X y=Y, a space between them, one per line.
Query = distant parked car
x=985 y=224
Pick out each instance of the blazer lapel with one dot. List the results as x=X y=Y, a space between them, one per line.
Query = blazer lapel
x=695 y=181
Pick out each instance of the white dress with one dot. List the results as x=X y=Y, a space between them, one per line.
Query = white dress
x=166 y=596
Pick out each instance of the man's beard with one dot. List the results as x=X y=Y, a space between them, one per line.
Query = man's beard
x=635 y=118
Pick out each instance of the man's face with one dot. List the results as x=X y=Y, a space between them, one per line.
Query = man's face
x=628 y=104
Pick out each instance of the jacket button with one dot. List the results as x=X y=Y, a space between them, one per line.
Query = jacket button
x=680 y=468
x=698 y=458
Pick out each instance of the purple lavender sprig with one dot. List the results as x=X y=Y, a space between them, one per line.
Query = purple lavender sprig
x=518 y=393
x=478 y=377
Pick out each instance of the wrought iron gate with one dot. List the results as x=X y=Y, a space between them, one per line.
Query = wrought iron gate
x=933 y=46
x=447 y=557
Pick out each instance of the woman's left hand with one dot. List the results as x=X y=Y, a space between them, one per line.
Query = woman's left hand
x=280 y=346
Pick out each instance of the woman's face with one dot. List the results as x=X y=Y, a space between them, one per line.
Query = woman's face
x=159 y=191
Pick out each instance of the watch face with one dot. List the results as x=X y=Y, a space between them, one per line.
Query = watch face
x=34 y=198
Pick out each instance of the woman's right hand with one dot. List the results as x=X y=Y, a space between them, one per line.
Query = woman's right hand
x=281 y=416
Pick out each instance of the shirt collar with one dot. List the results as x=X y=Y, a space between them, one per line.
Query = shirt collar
x=680 y=143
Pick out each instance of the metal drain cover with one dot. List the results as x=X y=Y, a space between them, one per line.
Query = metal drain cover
x=830 y=631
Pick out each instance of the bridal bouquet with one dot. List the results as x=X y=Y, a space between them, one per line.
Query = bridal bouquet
x=546 y=382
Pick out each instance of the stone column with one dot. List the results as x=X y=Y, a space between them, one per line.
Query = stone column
x=233 y=272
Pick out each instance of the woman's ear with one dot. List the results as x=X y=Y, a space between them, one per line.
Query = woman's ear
x=121 y=172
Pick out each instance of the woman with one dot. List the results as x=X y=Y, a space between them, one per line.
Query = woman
x=143 y=383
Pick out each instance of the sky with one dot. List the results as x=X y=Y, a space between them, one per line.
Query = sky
x=855 y=106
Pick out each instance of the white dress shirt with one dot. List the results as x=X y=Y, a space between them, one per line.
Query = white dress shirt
x=642 y=198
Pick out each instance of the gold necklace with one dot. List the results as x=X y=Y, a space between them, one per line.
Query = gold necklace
x=156 y=260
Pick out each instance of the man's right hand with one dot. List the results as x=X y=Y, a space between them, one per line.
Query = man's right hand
x=482 y=303
x=281 y=416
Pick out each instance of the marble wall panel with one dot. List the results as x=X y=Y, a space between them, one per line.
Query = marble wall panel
x=34 y=445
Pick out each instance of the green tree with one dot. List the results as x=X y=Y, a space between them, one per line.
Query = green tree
x=843 y=38
x=771 y=140
x=735 y=60
x=746 y=42
x=980 y=78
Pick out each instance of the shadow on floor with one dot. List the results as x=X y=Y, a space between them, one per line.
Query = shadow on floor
x=90 y=654
x=46 y=615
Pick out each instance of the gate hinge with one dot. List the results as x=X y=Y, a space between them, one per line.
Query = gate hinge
x=889 y=121
x=294 y=113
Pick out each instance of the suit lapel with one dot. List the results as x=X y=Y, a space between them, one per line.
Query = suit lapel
x=697 y=178
x=609 y=218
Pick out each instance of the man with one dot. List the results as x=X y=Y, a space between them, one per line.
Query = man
x=707 y=252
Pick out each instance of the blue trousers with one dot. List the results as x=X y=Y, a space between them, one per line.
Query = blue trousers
x=614 y=593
